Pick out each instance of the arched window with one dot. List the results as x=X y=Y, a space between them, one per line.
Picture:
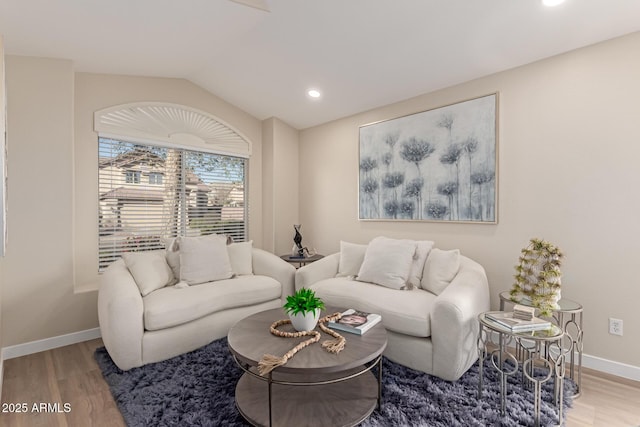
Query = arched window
x=164 y=171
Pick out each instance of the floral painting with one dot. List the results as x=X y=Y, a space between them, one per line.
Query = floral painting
x=436 y=165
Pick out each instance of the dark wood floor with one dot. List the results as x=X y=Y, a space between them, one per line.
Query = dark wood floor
x=70 y=375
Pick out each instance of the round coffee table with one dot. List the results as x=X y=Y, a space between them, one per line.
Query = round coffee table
x=315 y=387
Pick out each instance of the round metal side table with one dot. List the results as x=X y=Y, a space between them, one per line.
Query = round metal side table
x=568 y=316
x=531 y=350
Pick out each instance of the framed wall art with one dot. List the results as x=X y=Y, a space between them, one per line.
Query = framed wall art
x=436 y=165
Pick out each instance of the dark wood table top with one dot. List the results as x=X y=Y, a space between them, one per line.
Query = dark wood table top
x=306 y=259
x=250 y=339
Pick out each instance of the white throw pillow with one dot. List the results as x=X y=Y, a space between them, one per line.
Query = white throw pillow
x=351 y=257
x=149 y=269
x=173 y=255
x=204 y=259
x=240 y=257
x=170 y=243
x=423 y=247
x=440 y=269
x=387 y=262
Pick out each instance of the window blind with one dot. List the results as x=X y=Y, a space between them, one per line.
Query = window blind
x=149 y=193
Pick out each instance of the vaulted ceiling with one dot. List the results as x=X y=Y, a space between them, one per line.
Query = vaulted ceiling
x=360 y=54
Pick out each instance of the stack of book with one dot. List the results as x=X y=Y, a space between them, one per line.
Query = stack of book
x=523 y=312
x=355 y=322
x=516 y=324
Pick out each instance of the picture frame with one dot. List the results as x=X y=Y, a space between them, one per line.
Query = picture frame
x=436 y=165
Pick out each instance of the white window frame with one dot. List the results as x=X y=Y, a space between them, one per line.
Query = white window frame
x=156 y=178
x=132 y=177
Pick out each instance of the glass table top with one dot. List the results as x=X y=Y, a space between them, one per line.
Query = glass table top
x=552 y=333
x=565 y=305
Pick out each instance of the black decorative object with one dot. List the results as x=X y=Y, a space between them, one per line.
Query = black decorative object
x=297 y=239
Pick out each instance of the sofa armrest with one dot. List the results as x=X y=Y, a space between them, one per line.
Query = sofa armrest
x=324 y=268
x=120 y=314
x=454 y=323
x=267 y=264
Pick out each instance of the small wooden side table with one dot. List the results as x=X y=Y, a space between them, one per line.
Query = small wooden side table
x=301 y=261
x=568 y=316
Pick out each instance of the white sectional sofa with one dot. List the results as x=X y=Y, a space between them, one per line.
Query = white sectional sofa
x=429 y=309
x=142 y=324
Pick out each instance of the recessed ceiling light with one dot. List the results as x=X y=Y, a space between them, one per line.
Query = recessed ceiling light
x=313 y=93
x=552 y=3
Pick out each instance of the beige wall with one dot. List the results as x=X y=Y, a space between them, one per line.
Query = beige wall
x=280 y=196
x=569 y=146
x=2 y=133
x=268 y=205
x=97 y=91
x=38 y=300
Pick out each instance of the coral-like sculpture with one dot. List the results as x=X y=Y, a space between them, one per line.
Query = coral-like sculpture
x=538 y=276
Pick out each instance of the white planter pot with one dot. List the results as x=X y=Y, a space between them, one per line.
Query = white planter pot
x=302 y=322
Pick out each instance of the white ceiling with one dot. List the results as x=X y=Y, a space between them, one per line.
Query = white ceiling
x=361 y=54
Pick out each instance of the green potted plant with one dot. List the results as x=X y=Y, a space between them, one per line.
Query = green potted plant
x=303 y=308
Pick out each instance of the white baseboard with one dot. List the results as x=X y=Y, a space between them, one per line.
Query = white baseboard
x=602 y=365
x=610 y=367
x=49 y=343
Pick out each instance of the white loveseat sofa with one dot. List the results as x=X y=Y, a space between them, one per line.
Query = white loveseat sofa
x=141 y=325
x=431 y=327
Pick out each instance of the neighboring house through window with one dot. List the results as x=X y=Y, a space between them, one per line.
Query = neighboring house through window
x=189 y=193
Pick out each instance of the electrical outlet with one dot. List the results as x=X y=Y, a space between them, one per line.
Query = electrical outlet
x=615 y=326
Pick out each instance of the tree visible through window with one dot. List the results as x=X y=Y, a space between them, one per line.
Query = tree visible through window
x=188 y=193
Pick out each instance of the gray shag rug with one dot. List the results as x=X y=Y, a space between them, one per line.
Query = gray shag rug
x=197 y=389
